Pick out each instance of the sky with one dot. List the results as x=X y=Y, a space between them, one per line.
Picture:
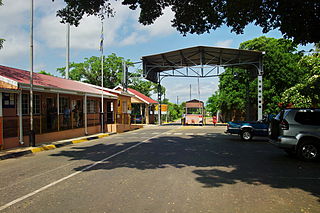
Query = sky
x=123 y=35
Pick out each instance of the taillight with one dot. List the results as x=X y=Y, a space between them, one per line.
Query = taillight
x=284 y=124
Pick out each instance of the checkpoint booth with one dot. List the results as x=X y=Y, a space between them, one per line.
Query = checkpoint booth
x=194 y=113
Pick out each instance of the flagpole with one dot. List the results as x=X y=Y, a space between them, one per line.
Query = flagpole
x=67 y=51
x=101 y=49
x=32 y=133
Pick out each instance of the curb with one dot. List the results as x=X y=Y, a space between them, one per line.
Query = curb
x=54 y=145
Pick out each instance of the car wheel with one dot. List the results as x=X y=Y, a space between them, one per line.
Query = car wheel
x=308 y=151
x=246 y=135
x=273 y=129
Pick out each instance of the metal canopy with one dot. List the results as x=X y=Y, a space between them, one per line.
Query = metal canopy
x=199 y=61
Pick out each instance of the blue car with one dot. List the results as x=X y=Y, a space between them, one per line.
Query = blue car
x=248 y=129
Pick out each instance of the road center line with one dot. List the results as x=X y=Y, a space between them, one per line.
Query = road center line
x=71 y=175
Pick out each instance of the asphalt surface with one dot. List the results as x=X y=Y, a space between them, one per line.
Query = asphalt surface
x=161 y=169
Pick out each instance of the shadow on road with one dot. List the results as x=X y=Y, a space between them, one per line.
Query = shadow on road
x=229 y=161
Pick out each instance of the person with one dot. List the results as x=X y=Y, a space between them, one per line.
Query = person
x=214 y=120
x=66 y=116
x=51 y=117
x=76 y=115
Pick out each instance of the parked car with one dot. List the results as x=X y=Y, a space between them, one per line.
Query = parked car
x=297 y=131
x=248 y=129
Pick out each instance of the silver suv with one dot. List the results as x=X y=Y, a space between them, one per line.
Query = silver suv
x=297 y=131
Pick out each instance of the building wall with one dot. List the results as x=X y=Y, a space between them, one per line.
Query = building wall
x=9 y=122
x=123 y=109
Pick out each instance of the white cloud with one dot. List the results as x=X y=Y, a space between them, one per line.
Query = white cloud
x=162 y=26
x=225 y=43
x=16 y=46
x=134 y=38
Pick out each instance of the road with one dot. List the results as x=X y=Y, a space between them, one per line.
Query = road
x=161 y=169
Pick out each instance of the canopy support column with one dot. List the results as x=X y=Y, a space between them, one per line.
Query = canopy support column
x=159 y=100
x=260 y=89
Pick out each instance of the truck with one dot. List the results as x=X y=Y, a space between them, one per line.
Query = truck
x=247 y=129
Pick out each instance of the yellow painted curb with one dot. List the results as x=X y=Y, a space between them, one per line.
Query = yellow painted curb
x=79 y=141
x=104 y=135
x=43 y=148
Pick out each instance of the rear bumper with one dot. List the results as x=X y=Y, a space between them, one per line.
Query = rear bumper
x=284 y=142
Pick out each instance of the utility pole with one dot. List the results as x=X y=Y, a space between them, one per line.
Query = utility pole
x=32 y=133
x=190 y=92
x=67 y=50
x=102 y=76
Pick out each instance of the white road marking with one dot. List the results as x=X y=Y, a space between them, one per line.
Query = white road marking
x=71 y=175
x=201 y=133
x=189 y=133
x=177 y=133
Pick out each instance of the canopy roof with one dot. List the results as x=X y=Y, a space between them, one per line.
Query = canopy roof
x=202 y=56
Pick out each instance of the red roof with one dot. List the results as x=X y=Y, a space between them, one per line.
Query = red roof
x=22 y=76
x=142 y=96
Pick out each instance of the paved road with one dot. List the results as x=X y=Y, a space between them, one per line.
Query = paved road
x=161 y=169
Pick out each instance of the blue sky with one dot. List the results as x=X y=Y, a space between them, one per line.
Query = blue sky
x=124 y=36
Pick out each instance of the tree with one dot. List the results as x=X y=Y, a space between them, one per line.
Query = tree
x=296 y=19
x=174 y=110
x=307 y=92
x=89 y=71
x=137 y=82
x=281 y=72
x=213 y=104
x=45 y=73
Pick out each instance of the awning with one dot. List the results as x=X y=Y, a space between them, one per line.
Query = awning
x=203 y=56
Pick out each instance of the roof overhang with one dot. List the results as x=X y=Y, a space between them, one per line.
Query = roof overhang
x=39 y=88
x=154 y=65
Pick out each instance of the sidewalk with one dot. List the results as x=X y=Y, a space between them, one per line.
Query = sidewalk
x=21 y=151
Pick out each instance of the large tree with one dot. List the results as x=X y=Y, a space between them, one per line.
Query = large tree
x=296 y=19
x=238 y=88
x=307 y=92
x=89 y=71
x=137 y=82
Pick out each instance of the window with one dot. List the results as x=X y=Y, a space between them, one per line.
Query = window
x=308 y=118
x=36 y=104
x=124 y=107
x=26 y=102
x=91 y=106
x=8 y=100
x=63 y=104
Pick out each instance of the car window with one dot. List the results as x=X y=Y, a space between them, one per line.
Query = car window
x=282 y=115
x=308 y=118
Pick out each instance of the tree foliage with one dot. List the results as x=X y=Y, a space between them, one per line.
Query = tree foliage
x=307 y=92
x=174 y=110
x=213 y=104
x=137 y=82
x=45 y=73
x=296 y=19
x=89 y=71
x=281 y=72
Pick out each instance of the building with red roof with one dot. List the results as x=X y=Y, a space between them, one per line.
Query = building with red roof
x=62 y=108
x=143 y=107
